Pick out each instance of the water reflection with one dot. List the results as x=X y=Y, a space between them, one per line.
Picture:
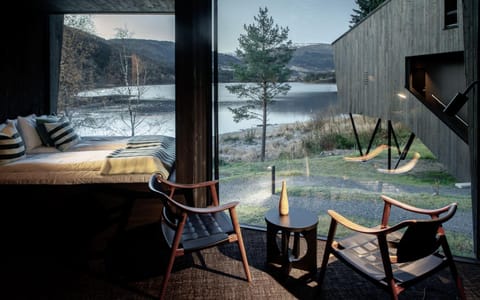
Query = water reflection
x=301 y=103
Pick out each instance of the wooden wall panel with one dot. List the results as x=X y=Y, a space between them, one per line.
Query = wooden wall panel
x=24 y=73
x=193 y=67
x=370 y=69
x=472 y=68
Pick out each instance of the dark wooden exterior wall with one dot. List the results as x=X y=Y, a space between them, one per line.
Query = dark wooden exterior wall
x=370 y=63
x=370 y=66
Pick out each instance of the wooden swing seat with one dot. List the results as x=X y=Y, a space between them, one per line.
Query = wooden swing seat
x=369 y=155
x=403 y=169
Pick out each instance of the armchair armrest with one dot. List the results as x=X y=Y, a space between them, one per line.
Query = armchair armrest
x=431 y=212
x=172 y=186
x=351 y=225
x=206 y=210
x=187 y=185
x=366 y=230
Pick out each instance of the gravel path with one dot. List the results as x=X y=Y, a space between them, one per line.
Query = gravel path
x=258 y=191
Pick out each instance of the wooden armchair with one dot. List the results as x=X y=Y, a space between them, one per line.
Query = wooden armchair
x=398 y=256
x=187 y=229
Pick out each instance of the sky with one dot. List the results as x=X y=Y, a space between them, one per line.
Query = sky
x=309 y=21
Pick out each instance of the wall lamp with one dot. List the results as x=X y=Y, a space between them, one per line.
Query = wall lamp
x=458 y=101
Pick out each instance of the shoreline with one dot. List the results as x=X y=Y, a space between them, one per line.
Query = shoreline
x=245 y=145
x=283 y=139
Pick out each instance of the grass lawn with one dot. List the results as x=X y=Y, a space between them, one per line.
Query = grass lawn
x=322 y=182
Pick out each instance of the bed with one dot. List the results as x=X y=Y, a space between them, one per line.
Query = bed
x=57 y=197
x=46 y=150
x=94 y=160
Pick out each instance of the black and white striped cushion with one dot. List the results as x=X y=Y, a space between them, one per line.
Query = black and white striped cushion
x=62 y=134
x=12 y=147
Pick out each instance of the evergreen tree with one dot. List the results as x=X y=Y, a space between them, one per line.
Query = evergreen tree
x=265 y=52
x=364 y=8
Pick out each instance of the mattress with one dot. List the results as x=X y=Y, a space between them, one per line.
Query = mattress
x=85 y=163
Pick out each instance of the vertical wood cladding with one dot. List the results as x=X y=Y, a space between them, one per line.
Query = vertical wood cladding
x=370 y=63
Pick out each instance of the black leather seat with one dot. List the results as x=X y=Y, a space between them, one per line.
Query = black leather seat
x=394 y=256
x=188 y=228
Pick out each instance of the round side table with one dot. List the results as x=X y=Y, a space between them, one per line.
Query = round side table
x=299 y=222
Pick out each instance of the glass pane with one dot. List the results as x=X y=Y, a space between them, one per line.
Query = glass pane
x=309 y=138
x=450 y=13
x=312 y=93
x=117 y=74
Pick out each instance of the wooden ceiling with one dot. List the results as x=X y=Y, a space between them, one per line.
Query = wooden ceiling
x=108 y=6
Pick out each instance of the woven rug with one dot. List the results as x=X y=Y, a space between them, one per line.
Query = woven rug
x=217 y=273
x=131 y=268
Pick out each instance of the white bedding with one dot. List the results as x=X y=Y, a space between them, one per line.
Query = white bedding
x=80 y=165
x=88 y=143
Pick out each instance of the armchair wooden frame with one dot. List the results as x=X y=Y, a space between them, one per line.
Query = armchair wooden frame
x=395 y=257
x=187 y=229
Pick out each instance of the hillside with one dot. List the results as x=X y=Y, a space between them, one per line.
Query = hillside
x=312 y=62
x=309 y=63
x=313 y=58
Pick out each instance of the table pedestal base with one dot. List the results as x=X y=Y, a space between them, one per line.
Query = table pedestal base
x=287 y=257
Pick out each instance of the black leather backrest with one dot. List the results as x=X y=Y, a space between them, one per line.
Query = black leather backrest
x=419 y=240
x=170 y=213
x=421 y=237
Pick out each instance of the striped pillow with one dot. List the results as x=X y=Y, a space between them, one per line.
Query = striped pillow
x=62 y=134
x=12 y=147
x=42 y=131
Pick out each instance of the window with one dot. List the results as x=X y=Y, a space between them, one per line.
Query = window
x=451 y=13
x=309 y=144
x=288 y=146
x=433 y=77
x=117 y=74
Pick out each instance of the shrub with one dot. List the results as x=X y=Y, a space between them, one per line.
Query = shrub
x=249 y=136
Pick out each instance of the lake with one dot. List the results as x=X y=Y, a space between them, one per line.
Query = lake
x=301 y=103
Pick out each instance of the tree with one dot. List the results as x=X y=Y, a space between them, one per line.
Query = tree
x=264 y=51
x=364 y=8
x=76 y=74
x=134 y=72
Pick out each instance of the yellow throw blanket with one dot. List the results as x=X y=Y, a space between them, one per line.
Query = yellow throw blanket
x=143 y=155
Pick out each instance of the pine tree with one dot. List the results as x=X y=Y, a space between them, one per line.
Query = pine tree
x=364 y=8
x=265 y=52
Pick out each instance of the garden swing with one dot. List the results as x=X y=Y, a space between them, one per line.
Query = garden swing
x=378 y=150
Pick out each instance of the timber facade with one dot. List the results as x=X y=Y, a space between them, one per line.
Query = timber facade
x=404 y=62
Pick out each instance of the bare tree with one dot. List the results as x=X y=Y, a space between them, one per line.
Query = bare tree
x=75 y=72
x=134 y=72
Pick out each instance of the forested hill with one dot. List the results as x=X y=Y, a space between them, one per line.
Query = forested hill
x=310 y=62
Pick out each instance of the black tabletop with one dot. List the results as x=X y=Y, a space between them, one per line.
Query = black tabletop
x=297 y=219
